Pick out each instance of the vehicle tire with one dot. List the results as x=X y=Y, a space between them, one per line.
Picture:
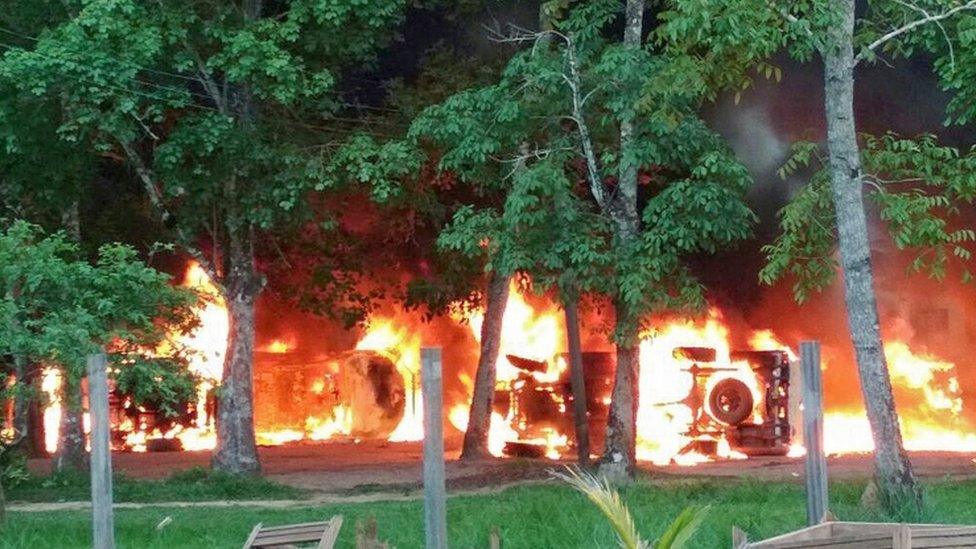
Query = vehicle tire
x=730 y=401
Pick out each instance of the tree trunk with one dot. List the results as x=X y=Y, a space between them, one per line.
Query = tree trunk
x=21 y=423
x=893 y=471
x=620 y=448
x=236 y=450
x=71 y=453
x=36 y=439
x=479 y=418
x=578 y=383
x=620 y=455
x=22 y=400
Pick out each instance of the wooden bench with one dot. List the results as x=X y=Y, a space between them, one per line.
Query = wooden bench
x=322 y=533
x=865 y=535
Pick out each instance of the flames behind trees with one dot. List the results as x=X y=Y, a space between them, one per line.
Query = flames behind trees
x=374 y=390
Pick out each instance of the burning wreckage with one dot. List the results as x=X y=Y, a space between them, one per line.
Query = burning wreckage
x=362 y=395
x=722 y=406
x=697 y=398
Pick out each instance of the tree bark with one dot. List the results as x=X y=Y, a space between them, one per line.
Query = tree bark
x=619 y=458
x=71 y=453
x=893 y=471
x=620 y=451
x=36 y=439
x=28 y=416
x=236 y=450
x=578 y=382
x=479 y=418
x=21 y=418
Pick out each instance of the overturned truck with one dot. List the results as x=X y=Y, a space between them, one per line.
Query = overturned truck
x=753 y=420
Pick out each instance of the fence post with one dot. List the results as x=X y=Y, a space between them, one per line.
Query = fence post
x=435 y=505
x=103 y=532
x=816 y=462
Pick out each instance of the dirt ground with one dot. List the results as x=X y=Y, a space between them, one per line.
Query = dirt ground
x=350 y=468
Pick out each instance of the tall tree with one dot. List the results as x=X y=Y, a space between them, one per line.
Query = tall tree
x=894 y=470
x=843 y=40
x=217 y=109
x=621 y=179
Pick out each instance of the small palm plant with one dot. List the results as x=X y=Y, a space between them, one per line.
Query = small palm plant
x=608 y=500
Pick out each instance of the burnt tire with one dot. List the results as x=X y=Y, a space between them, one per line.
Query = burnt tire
x=730 y=401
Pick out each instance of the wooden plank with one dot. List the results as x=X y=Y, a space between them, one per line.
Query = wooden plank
x=739 y=538
x=103 y=529
x=872 y=541
x=435 y=496
x=281 y=539
x=321 y=524
x=325 y=533
x=816 y=463
x=298 y=530
x=494 y=539
x=948 y=531
x=944 y=542
x=815 y=532
x=861 y=527
x=330 y=537
x=902 y=538
x=254 y=534
x=837 y=535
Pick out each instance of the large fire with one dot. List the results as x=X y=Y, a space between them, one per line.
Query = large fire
x=533 y=334
x=930 y=407
x=663 y=415
x=308 y=396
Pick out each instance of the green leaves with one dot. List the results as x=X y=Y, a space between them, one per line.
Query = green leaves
x=918 y=186
x=804 y=250
x=57 y=310
x=519 y=139
x=231 y=121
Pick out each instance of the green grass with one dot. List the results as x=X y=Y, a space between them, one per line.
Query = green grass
x=196 y=484
x=540 y=516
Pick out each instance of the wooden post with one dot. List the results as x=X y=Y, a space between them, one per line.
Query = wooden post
x=816 y=463
x=103 y=532
x=435 y=504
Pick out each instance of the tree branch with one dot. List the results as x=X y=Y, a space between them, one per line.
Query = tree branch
x=159 y=206
x=928 y=18
x=573 y=82
x=592 y=168
x=952 y=51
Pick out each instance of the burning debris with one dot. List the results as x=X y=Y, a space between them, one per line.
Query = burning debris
x=699 y=400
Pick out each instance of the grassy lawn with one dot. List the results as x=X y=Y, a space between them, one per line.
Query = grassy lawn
x=193 y=485
x=539 y=516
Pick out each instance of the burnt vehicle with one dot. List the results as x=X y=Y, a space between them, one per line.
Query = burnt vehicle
x=754 y=421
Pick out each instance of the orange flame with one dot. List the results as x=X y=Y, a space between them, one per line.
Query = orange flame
x=531 y=334
x=930 y=407
x=664 y=414
x=402 y=346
